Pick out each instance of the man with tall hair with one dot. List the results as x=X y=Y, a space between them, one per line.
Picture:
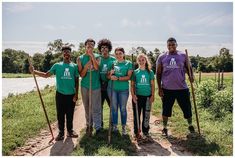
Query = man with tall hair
x=104 y=47
x=171 y=68
x=66 y=73
x=89 y=63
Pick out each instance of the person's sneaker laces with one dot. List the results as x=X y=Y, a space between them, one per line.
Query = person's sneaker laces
x=191 y=129
x=59 y=137
x=165 y=132
x=124 y=132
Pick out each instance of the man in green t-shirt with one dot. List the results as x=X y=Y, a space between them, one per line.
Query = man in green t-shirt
x=105 y=47
x=66 y=91
x=89 y=63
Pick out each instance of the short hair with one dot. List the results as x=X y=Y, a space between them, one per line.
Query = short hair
x=119 y=49
x=66 y=48
x=89 y=40
x=171 y=39
x=105 y=42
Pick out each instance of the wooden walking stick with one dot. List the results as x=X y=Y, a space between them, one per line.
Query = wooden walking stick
x=110 y=110
x=43 y=106
x=138 y=136
x=193 y=93
x=90 y=105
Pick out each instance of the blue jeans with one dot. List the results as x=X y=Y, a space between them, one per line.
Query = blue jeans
x=119 y=99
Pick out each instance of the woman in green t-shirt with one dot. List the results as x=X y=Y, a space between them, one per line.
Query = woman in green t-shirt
x=142 y=91
x=120 y=75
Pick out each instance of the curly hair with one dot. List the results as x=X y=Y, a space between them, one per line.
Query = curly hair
x=148 y=65
x=105 y=42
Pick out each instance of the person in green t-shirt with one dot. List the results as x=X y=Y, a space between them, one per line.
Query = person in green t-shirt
x=66 y=91
x=105 y=47
x=120 y=77
x=142 y=91
x=89 y=63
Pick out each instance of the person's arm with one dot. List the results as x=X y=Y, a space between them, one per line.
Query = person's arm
x=159 y=78
x=75 y=98
x=126 y=78
x=39 y=73
x=152 y=91
x=79 y=65
x=94 y=61
x=85 y=68
x=187 y=70
x=134 y=97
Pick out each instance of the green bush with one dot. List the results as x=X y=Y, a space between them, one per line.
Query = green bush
x=205 y=92
x=222 y=103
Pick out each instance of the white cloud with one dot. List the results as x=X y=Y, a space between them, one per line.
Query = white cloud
x=98 y=25
x=18 y=7
x=135 y=23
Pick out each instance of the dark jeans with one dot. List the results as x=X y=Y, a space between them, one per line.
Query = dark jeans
x=65 y=106
x=143 y=104
x=104 y=96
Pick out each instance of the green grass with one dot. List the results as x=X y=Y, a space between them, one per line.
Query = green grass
x=23 y=117
x=97 y=145
x=15 y=75
x=216 y=138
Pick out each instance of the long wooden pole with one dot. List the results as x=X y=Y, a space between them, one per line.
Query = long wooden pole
x=43 y=106
x=110 y=112
x=90 y=104
x=193 y=93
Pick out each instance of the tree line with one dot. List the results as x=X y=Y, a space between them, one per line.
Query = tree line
x=16 y=61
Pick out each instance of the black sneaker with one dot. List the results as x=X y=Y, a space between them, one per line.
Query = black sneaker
x=72 y=134
x=59 y=137
x=191 y=129
x=165 y=132
x=89 y=130
x=97 y=131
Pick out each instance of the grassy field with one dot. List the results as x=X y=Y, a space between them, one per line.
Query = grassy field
x=15 y=75
x=23 y=117
x=97 y=145
x=215 y=139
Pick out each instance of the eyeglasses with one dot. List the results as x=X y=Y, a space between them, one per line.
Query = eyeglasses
x=104 y=47
x=66 y=51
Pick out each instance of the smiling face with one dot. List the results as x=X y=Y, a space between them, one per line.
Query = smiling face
x=119 y=55
x=141 y=60
x=105 y=50
x=171 y=45
x=66 y=54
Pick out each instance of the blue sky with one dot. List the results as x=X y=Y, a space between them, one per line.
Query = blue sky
x=203 y=28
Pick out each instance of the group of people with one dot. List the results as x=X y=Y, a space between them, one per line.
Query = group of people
x=106 y=78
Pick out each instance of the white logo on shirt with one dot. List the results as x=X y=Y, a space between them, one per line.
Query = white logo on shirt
x=66 y=72
x=143 y=79
x=172 y=62
x=105 y=68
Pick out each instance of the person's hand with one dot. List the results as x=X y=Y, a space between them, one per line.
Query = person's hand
x=151 y=99
x=114 y=78
x=31 y=69
x=88 y=64
x=160 y=92
x=89 y=52
x=75 y=98
x=134 y=97
x=112 y=72
x=191 y=79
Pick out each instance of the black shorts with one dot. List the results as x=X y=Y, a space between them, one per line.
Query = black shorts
x=183 y=99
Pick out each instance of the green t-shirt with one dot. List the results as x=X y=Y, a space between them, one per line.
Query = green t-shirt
x=104 y=63
x=121 y=69
x=95 y=78
x=142 y=80
x=65 y=77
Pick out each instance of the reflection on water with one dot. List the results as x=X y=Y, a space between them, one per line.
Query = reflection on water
x=22 y=85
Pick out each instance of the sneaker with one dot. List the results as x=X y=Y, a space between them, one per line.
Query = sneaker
x=59 y=137
x=115 y=129
x=72 y=134
x=124 y=132
x=97 y=131
x=165 y=132
x=191 y=129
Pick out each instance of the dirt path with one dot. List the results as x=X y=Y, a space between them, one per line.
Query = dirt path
x=39 y=144
x=160 y=145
